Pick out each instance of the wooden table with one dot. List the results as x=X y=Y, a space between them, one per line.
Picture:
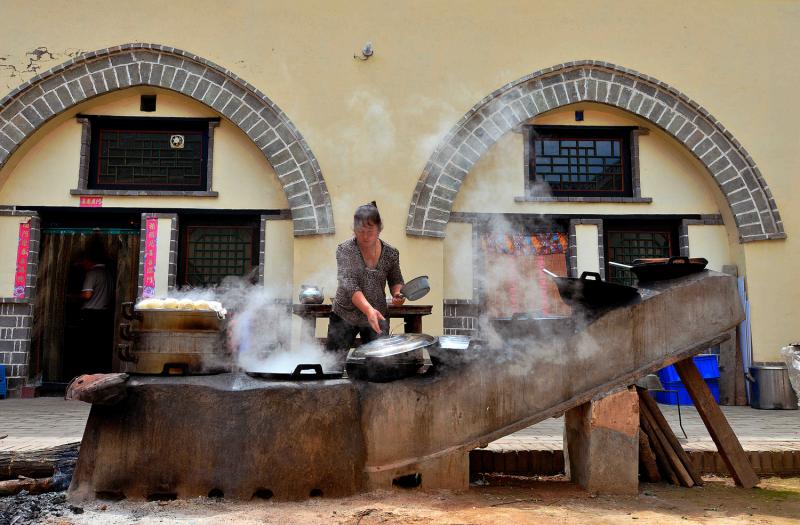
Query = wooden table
x=411 y=314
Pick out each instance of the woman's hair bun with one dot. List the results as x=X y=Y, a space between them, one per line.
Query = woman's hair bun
x=373 y=203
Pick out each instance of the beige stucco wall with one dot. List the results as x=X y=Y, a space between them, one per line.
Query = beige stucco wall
x=9 y=239
x=458 y=268
x=586 y=245
x=279 y=258
x=373 y=124
x=710 y=242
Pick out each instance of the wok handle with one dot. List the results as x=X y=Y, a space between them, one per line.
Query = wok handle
x=594 y=276
x=620 y=265
x=679 y=259
x=129 y=313
x=551 y=274
x=299 y=369
x=124 y=353
x=125 y=331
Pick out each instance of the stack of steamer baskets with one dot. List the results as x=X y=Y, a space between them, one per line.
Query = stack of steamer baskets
x=174 y=337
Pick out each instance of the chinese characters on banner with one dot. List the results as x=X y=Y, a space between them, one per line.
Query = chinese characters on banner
x=150 y=239
x=91 y=202
x=23 y=248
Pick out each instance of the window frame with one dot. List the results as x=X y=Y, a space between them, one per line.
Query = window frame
x=670 y=226
x=253 y=223
x=533 y=191
x=622 y=133
x=91 y=128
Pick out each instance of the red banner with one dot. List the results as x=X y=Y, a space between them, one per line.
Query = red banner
x=150 y=241
x=91 y=202
x=23 y=248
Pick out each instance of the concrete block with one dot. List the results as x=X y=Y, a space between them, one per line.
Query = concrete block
x=602 y=444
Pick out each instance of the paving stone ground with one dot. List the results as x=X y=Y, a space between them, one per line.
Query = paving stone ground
x=43 y=422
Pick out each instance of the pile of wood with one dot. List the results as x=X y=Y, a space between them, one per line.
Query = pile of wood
x=661 y=456
x=37 y=471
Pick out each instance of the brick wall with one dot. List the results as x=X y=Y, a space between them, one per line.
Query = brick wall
x=461 y=317
x=16 y=319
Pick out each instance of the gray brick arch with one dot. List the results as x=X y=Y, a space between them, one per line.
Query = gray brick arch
x=29 y=106
x=727 y=162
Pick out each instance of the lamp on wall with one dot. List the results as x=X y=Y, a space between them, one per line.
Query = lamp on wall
x=366 y=52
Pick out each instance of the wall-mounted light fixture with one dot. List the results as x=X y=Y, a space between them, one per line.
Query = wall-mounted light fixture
x=366 y=52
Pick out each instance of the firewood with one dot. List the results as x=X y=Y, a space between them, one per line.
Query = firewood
x=647 y=459
x=670 y=454
x=655 y=411
x=33 y=486
x=36 y=463
x=661 y=456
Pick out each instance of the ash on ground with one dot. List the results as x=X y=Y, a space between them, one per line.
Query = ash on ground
x=25 y=508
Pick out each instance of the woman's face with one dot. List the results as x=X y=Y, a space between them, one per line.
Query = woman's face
x=367 y=233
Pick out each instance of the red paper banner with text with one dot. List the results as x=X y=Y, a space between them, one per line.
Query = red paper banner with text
x=150 y=241
x=91 y=202
x=23 y=249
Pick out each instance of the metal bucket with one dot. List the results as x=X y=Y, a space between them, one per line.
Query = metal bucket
x=770 y=387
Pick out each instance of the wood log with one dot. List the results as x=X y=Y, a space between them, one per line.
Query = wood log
x=661 y=455
x=651 y=405
x=33 y=486
x=671 y=456
x=647 y=459
x=727 y=443
x=36 y=463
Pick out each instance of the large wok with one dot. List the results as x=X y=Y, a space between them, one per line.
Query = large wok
x=590 y=291
x=658 y=269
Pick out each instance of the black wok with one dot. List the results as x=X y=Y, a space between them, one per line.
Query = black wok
x=590 y=291
x=663 y=268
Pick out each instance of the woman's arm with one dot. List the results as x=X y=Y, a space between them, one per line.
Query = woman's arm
x=395 y=279
x=373 y=316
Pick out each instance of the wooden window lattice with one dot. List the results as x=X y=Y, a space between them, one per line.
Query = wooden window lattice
x=217 y=252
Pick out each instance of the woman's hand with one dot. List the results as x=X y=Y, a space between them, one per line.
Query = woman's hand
x=398 y=299
x=373 y=316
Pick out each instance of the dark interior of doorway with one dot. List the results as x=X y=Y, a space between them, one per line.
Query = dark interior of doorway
x=58 y=337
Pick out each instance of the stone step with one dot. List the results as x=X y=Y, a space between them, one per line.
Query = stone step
x=766 y=463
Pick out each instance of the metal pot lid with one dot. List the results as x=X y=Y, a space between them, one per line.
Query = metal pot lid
x=393 y=345
x=454 y=342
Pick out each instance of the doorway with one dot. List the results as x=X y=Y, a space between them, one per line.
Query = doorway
x=61 y=335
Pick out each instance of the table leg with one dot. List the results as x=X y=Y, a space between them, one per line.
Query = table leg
x=413 y=324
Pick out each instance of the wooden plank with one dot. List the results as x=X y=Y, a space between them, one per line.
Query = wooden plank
x=652 y=406
x=670 y=454
x=661 y=455
x=727 y=443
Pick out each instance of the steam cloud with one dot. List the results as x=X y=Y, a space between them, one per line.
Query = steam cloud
x=259 y=328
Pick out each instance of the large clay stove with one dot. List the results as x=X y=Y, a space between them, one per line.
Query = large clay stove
x=243 y=437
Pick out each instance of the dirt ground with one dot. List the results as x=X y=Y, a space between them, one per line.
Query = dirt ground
x=501 y=500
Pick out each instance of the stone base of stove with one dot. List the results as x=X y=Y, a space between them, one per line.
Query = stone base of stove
x=225 y=435
x=232 y=435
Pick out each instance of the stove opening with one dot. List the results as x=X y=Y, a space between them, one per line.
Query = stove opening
x=110 y=495
x=409 y=481
x=262 y=494
x=315 y=493
x=216 y=493
x=162 y=496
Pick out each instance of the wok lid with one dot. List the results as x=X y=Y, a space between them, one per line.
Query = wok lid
x=393 y=345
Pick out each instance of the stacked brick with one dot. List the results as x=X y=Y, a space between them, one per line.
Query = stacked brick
x=734 y=171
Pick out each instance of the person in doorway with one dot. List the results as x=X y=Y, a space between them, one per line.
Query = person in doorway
x=97 y=313
x=364 y=265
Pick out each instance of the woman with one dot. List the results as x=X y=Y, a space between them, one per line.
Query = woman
x=364 y=264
